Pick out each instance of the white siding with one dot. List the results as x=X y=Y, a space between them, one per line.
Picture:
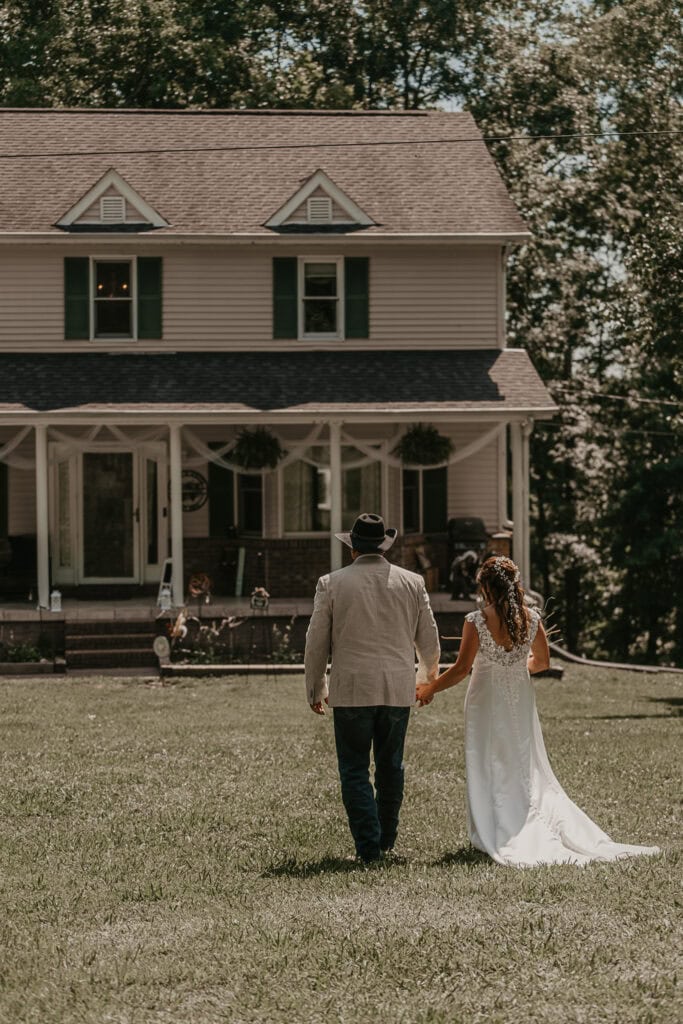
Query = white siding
x=220 y=297
x=473 y=483
x=22 y=501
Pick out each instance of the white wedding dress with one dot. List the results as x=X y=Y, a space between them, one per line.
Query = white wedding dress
x=517 y=811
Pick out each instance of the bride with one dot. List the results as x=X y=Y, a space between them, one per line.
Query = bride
x=517 y=811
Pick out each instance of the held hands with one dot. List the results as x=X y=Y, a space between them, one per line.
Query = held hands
x=424 y=693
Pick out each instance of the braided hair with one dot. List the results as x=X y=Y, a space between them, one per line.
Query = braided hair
x=499 y=578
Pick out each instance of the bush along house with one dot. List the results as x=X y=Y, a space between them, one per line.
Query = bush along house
x=224 y=334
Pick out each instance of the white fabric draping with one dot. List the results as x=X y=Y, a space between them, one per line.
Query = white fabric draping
x=204 y=454
x=16 y=461
x=216 y=455
x=456 y=456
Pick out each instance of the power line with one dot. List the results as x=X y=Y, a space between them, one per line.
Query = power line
x=335 y=145
x=614 y=435
x=619 y=398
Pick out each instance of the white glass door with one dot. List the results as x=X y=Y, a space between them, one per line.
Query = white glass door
x=64 y=532
x=109 y=513
x=152 y=468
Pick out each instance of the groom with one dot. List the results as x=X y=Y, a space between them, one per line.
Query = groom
x=371 y=617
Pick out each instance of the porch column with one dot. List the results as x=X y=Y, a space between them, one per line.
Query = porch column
x=335 y=494
x=519 y=444
x=527 y=428
x=42 y=518
x=175 y=474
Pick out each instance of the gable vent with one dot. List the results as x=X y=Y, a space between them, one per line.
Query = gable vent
x=112 y=209
x=319 y=210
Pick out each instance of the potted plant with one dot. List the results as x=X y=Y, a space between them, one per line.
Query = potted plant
x=257 y=449
x=423 y=445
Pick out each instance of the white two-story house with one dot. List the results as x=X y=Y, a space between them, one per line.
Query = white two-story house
x=172 y=279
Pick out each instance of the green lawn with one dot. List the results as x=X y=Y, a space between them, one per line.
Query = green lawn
x=176 y=856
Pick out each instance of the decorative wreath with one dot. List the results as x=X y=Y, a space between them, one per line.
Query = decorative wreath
x=199 y=584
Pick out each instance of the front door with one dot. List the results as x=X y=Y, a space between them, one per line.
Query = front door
x=109 y=514
x=110 y=518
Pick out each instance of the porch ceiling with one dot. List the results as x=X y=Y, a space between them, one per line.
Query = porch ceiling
x=279 y=385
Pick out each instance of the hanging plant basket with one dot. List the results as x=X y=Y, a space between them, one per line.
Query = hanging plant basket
x=423 y=446
x=257 y=449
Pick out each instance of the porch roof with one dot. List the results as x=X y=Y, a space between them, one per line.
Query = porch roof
x=280 y=385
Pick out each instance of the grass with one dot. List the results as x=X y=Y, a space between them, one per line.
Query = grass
x=176 y=856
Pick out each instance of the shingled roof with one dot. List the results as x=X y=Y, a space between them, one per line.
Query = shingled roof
x=276 y=384
x=226 y=172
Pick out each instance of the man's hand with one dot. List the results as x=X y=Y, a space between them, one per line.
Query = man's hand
x=319 y=707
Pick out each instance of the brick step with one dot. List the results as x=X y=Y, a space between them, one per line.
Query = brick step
x=119 y=658
x=112 y=627
x=105 y=641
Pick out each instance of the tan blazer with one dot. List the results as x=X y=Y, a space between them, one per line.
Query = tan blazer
x=371 y=616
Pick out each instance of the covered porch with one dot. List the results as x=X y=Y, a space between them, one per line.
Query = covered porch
x=112 y=464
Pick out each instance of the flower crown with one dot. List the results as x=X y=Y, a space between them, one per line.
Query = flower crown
x=500 y=570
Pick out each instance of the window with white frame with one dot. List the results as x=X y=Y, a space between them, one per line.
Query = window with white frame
x=113 y=312
x=235 y=500
x=321 y=287
x=425 y=500
x=306 y=490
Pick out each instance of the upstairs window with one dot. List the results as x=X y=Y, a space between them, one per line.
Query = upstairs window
x=321 y=313
x=113 y=299
x=318 y=298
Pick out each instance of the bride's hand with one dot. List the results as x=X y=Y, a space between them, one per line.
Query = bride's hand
x=424 y=693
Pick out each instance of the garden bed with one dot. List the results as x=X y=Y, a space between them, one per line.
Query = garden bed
x=32 y=668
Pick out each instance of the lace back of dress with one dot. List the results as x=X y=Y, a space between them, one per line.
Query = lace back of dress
x=491 y=651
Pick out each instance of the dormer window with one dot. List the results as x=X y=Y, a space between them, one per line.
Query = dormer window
x=319 y=210
x=111 y=201
x=112 y=209
x=319 y=201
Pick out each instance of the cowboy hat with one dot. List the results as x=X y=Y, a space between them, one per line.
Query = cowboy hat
x=368 y=534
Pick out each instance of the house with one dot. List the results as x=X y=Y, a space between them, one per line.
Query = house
x=323 y=281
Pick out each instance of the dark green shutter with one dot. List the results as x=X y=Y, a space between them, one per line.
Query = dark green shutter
x=221 y=502
x=149 y=297
x=435 y=500
x=76 y=297
x=4 y=500
x=411 y=500
x=357 y=296
x=285 y=319
x=250 y=503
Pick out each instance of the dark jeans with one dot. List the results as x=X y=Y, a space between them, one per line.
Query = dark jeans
x=373 y=816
